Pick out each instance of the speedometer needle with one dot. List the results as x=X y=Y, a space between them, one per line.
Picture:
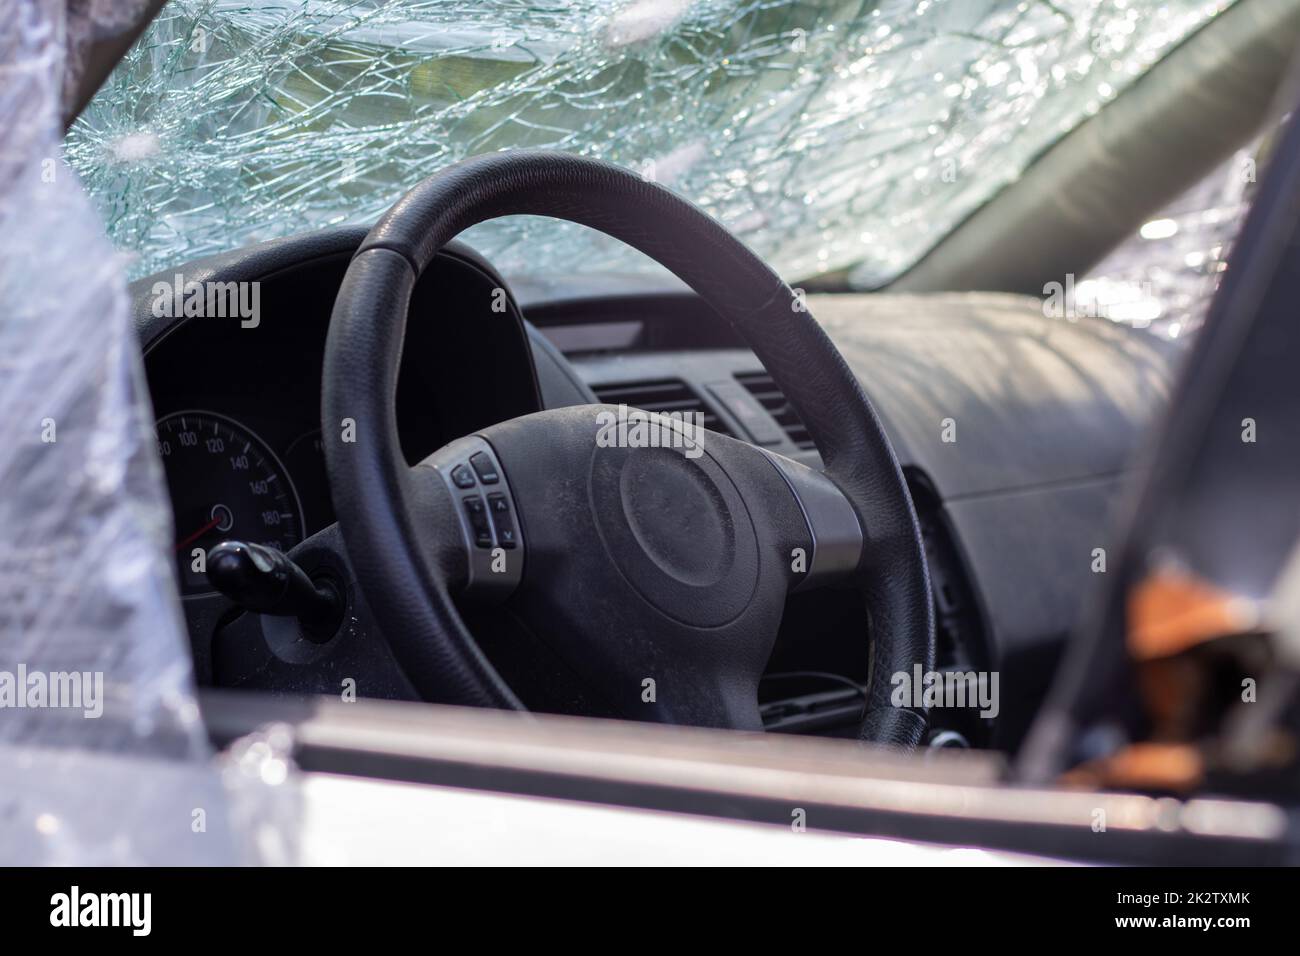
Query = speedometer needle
x=200 y=533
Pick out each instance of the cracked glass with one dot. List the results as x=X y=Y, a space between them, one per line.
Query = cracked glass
x=102 y=748
x=1163 y=277
x=832 y=137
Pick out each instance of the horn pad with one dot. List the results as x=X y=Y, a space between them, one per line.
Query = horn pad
x=677 y=529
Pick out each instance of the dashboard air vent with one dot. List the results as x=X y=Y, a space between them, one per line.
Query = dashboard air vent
x=660 y=395
x=761 y=386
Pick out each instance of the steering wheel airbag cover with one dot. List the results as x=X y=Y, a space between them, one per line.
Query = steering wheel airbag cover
x=678 y=530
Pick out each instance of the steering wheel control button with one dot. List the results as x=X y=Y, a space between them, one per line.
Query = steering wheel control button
x=489 y=523
x=478 y=521
x=503 y=521
x=486 y=468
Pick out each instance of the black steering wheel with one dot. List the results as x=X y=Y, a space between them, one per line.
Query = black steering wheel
x=653 y=557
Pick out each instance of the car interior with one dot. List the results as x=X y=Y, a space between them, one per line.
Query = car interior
x=1000 y=510
x=390 y=480
x=1013 y=437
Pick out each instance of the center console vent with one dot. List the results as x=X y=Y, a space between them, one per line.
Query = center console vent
x=661 y=395
x=770 y=396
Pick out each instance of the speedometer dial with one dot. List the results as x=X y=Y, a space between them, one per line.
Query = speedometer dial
x=225 y=484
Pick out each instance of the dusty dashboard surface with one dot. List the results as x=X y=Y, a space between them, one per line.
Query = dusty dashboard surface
x=1015 y=432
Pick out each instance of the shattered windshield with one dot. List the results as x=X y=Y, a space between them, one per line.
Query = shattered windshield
x=830 y=136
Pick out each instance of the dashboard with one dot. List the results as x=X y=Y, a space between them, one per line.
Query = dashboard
x=1045 y=416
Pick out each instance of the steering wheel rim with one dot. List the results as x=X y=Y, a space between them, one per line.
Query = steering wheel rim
x=409 y=578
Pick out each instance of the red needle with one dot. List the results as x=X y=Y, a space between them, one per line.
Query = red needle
x=200 y=533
